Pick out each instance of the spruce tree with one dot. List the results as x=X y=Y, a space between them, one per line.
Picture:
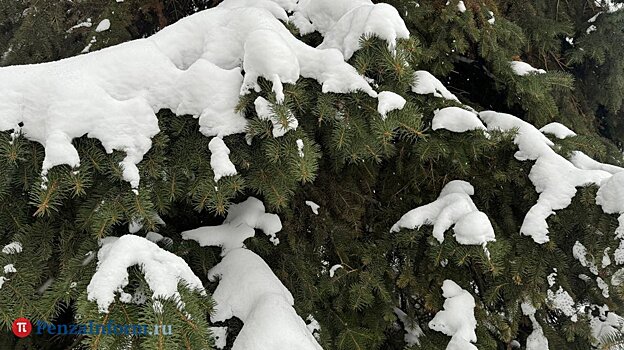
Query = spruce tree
x=401 y=212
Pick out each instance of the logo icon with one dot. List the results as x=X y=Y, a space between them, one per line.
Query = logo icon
x=22 y=327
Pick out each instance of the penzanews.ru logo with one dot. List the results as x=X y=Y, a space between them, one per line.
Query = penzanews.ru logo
x=22 y=327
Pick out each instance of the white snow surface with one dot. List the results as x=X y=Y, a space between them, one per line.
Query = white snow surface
x=413 y=332
x=389 y=101
x=315 y=207
x=454 y=207
x=461 y=7
x=343 y=22
x=12 y=248
x=191 y=67
x=523 y=68
x=333 y=269
x=425 y=83
x=554 y=177
x=610 y=197
x=456 y=119
x=10 y=268
x=583 y=161
x=536 y=340
x=264 y=305
x=220 y=336
x=239 y=225
x=163 y=270
x=103 y=25
x=559 y=130
x=220 y=159
x=457 y=320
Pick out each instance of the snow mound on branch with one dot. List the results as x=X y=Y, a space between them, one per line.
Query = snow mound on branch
x=559 y=130
x=191 y=67
x=163 y=270
x=389 y=101
x=12 y=248
x=610 y=197
x=456 y=119
x=536 y=340
x=583 y=161
x=523 y=68
x=453 y=207
x=425 y=83
x=315 y=207
x=220 y=159
x=457 y=320
x=264 y=304
x=343 y=22
x=239 y=225
x=553 y=176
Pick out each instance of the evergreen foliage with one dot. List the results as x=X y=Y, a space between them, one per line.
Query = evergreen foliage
x=363 y=171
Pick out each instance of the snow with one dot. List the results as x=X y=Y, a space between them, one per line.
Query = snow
x=604 y=323
x=12 y=248
x=10 y=268
x=193 y=66
x=604 y=287
x=606 y=260
x=85 y=24
x=610 y=5
x=314 y=327
x=554 y=177
x=315 y=207
x=559 y=130
x=239 y=225
x=562 y=301
x=523 y=68
x=220 y=336
x=389 y=101
x=583 y=161
x=265 y=112
x=492 y=19
x=579 y=252
x=413 y=332
x=461 y=7
x=264 y=305
x=2 y=280
x=456 y=119
x=299 y=143
x=594 y=17
x=457 y=320
x=343 y=22
x=453 y=207
x=536 y=340
x=591 y=28
x=425 y=83
x=333 y=269
x=103 y=25
x=163 y=270
x=609 y=197
x=220 y=159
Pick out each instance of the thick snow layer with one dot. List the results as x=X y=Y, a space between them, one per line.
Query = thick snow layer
x=536 y=340
x=12 y=248
x=10 y=268
x=554 y=177
x=163 y=270
x=264 y=305
x=457 y=320
x=523 y=68
x=583 y=161
x=315 y=207
x=265 y=112
x=343 y=22
x=559 y=130
x=389 y=101
x=220 y=336
x=220 y=159
x=604 y=324
x=454 y=207
x=239 y=225
x=425 y=83
x=456 y=119
x=191 y=67
x=610 y=197
x=413 y=332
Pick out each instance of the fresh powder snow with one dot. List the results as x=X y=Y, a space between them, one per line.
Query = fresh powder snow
x=523 y=68
x=425 y=83
x=457 y=320
x=163 y=270
x=454 y=207
x=456 y=119
x=220 y=159
x=389 y=101
x=315 y=207
x=559 y=130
